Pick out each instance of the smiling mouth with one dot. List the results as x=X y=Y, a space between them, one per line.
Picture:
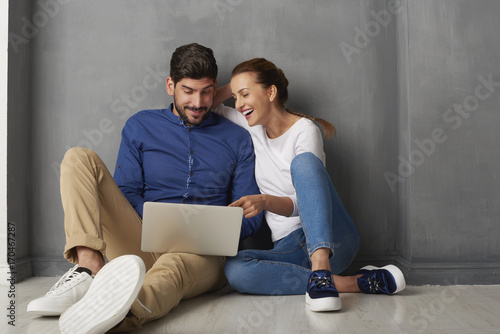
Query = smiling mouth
x=197 y=111
x=247 y=113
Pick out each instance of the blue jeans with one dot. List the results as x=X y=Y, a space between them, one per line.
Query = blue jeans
x=284 y=270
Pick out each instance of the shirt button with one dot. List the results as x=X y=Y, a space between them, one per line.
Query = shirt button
x=192 y=151
x=190 y=129
x=191 y=173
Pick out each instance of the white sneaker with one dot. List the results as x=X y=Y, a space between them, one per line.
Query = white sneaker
x=109 y=298
x=70 y=288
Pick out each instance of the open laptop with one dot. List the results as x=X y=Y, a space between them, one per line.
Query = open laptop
x=191 y=228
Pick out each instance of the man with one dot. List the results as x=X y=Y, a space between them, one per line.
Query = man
x=183 y=154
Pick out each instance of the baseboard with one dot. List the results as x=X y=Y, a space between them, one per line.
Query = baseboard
x=415 y=273
x=360 y=262
x=50 y=266
x=21 y=270
x=486 y=273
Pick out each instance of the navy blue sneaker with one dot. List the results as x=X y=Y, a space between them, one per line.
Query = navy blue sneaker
x=386 y=280
x=321 y=294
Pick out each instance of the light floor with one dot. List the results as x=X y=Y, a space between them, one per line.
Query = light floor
x=422 y=309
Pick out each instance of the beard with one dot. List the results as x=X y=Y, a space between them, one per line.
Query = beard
x=192 y=122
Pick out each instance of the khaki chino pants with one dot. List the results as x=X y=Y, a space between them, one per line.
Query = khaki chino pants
x=97 y=215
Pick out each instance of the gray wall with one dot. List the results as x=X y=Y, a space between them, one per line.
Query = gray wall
x=384 y=72
x=19 y=139
x=452 y=198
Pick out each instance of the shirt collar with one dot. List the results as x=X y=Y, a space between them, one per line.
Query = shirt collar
x=178 y=120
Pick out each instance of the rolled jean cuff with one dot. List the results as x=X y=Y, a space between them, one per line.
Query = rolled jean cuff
x=315 y=247
x=82 y=240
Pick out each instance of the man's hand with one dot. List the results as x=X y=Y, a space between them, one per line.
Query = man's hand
x=252 y=205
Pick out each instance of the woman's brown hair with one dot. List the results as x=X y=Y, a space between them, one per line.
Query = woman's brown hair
x=267 y=75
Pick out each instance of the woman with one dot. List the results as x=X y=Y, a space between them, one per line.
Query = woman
x=312 y=232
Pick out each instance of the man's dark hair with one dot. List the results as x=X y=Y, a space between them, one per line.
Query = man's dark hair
x=193 y=61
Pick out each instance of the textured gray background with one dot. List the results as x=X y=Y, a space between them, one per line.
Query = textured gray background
x=384 y=72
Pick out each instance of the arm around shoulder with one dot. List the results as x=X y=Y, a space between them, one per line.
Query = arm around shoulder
x=223 y=93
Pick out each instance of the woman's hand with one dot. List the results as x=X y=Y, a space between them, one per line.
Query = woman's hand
x=222 y=94
x=252 y=205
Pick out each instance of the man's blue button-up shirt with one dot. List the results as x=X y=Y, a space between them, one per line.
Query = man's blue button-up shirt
x=161 y=159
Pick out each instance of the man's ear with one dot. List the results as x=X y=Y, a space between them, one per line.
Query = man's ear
x=170 y=86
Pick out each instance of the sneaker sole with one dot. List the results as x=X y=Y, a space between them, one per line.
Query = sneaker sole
x=324 y=304
x=109 y=298
x=50 y=313
x=399 y=278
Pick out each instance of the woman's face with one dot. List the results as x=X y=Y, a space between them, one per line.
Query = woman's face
x=252 y=100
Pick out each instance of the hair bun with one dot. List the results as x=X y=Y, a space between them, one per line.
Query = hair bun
x=282 y=78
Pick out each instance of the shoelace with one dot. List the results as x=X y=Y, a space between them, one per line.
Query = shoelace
x=66 y=277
